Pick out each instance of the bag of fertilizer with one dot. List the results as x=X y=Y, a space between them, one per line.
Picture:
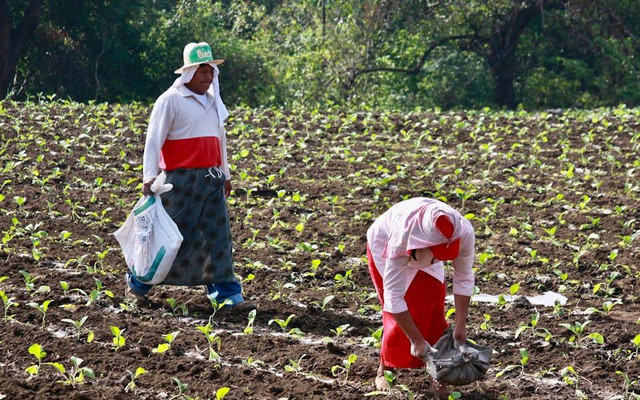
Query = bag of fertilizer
x=459 y=364
x=149 y=238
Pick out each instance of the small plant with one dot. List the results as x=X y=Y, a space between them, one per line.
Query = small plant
x=41 y=307
x=76 y=374
x=345 y=280
x=213 y=341
x=29 y=281
x=217 y=307
x=607 y=306
x=326 y=301
x=375 y=339
x=118 y=340
x=175 y=307
x=485 y=324
x=96 y=293
x=294 y=366
x=628 y=384
x=36 y=351
x=7 y=302
x=168 y=338
x=182 y=388
x=133 y=376
x=65 y=287
x=340 y=329
x=282 y=323
x=220 y=393
x=533 y=326
x=345 y=367
x=77 y=324
x=248 y=330
x=524 y=359
x=577 y=329
x=571 y=378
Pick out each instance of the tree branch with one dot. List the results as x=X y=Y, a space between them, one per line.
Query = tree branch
x=410 y=71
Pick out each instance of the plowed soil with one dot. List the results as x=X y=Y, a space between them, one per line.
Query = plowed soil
x=553 y=198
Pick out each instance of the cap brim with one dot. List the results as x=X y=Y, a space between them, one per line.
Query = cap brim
x=446 y=251
x=216 y=62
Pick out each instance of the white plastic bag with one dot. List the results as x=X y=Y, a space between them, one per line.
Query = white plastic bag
x=149 y=238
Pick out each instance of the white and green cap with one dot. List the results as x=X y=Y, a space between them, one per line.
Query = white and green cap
x=196 y=54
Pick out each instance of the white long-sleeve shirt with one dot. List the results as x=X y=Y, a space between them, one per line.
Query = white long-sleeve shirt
x=184 y=133
x=398 y=273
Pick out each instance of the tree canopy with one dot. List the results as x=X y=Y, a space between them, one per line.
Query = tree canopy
x=375 y=54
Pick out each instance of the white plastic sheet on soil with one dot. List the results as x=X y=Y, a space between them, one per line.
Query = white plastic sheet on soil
x=547 y=299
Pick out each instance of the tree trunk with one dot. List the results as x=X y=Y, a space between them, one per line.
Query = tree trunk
x=13 y=41
x=503 y=45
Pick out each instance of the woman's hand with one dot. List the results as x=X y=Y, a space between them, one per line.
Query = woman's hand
x=460 y=333
x=227 y=188
x=422 y=350
x=146 y=187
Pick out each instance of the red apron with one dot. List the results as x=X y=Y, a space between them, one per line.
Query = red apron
x=425 y=299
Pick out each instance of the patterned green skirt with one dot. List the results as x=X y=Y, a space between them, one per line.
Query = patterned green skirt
x=198 y=206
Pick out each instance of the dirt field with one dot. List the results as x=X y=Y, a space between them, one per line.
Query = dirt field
x=553 y=197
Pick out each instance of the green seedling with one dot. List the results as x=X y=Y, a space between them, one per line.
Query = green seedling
x=282 y=323
x=65 y=287
x=577 y=329
x=251 y=362
x=7 y=302
x=533 y=325
x=222 y=392
x=248 y=330
x=118 y=339
x=345 y=367
x=571 y=378
x=628 y=385
x=279 y=293
x=345 y=280
x=97 y=293
x=326 y=301
x=175 y=307
x=340 y=330
x=168 y=338
x=607 y=306
x=375 y=339
x=41 y=307
x=75 y=375
x=315 y=264
x=29 y=281
x=485 y=324
x=294 y=366
x=513 y=289
x=36 y=351
x=133 y=376
x=390 y=378
x=524 y=358
x=217 y=307
x=182 y=388
x=213 y=341
x=77 y=324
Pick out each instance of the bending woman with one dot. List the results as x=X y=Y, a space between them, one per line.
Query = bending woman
x=406 y=248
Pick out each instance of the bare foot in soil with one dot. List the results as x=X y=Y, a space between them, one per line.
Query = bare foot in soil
x=382 y=384
x=440 y=391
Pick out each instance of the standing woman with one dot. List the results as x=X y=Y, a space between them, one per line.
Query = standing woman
x=406 y=247
x=186 y=140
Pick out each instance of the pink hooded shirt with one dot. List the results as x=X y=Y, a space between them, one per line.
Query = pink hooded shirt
x=410 y=225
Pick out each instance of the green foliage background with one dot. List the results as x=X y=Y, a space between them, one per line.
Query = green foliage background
x=281 y=53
